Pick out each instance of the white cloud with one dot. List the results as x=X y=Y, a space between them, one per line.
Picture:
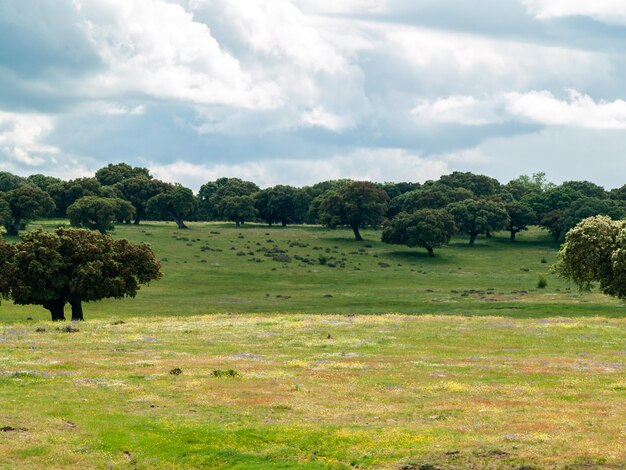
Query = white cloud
x=333 y=7
x=21 y=137
x=540 y=107
x=156 y=48
x=319 y=117
x=361 y=164
x=610 y=11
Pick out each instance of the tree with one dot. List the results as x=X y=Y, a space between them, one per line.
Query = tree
x=524 y=185
x=520 y=217
x=212 y=193
x=177 y=204
x=99 y=213
x=589 y=207
x=5 y=211
x=115 y=173
x=66 y=193
x=9 y=181
x=587 y=189
x=284 y=204
x=436 y=196
x=25 y=203
x=475 y=217
x=357 y=204
x=426 y=228
x=138 y=191
x=239 y=209
x=479 y=185
x=595 y=252
x=43 y=182
x=74 y=266
x=7 y=253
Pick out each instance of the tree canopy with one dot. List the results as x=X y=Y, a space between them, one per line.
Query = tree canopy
x=357 y=204
x=114 y=173
x=177 y=204
x=73 y=266
x=595 y=252
x=426 y=228
x=24 y=203
x=476 y=217
x=99 y=213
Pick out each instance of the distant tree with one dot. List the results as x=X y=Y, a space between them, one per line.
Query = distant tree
x=436 y=196
x=74 y=266
x=525 y=185
x=43 y=182
x=138 y=191
x=394 y=190
x=479 y=185
x=7 y=252
x=557 y=198
x=426 y=228
x=66 y=193
x=9 y=181
x=587 y=189
x=177 y=204
x=589 y=207
x=25 y=203
x=98 y=213
x=115 y=173
x=357 y=204
x=595 y=252
x=618 y=194
x=520 y=217
x=212 y=193
x=553 y=223
x=315 y=195
x=476 y=217
x=5 y=212
x=239 y=209
x=284 y=204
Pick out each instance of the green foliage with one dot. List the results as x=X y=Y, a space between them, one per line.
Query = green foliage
x=426 y=228
x=357 y=204
x=436 y=196
x=43 y=182
x=595 y=252
x=115 y=173
x=138 y=191
x=213 y=193
x=66 y=193
x=284 y=204
x=98 y=213
x=25 y=203
x=542 y=281
x=527 y=186
x=239 y=209
x=176 y=204
x=521 y=215
x=69 y=265
x=479 y=185
x=476 y=217
x=9 y=181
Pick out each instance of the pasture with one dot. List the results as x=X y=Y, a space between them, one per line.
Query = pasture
x=301 y=348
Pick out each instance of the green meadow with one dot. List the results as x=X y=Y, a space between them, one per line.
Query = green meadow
x=301 y=348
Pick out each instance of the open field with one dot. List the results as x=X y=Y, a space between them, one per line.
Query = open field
x=469 y=365
x=217 y=268
x=315 y=391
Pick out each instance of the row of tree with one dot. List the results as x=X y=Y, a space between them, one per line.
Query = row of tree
x=477 y=204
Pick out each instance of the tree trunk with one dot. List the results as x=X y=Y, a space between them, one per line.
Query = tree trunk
x=13 y=228
x=56 y=308
x=136 y=222
x=488 y=234
x=178 y=221
x=357 y=235
x=473 y=236
x=429 y=248
x=284 y=222
x=513 y=232
x=77 y=310
x=237 y=223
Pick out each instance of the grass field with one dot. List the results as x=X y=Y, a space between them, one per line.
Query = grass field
x=253 y=351
x=315 y=391
x=215 y=268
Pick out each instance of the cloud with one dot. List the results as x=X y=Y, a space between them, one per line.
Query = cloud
x=21 y=138
x=539 y=107
x=360 y=164
x=609 y=11
x=319 y=117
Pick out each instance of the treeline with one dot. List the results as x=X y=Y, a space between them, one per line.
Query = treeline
x=474 y=204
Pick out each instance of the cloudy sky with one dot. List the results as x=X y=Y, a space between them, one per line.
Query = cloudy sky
x=299 y=91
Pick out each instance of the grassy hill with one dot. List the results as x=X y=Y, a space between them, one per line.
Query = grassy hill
x=217 y=268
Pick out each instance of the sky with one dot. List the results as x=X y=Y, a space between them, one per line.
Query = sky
x=300 y=91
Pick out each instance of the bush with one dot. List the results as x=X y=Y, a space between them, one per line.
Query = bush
x=542 y=282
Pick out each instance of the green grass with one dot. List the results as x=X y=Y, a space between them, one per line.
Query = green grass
x=204 y=274
x=475 y=367
x=314 y=391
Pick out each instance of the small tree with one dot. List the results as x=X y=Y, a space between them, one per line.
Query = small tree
x=426 y=228
x=74 y=266
x=520 y=217
x=239 y=209
x=595 y=252
x=176 y=204
x=357 y=204
x=478 y=216
x=138 y=190
x=99 y=213
x=25 y=203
